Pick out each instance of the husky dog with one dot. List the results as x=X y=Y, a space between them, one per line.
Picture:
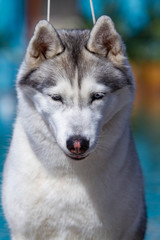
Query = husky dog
x=72 y=171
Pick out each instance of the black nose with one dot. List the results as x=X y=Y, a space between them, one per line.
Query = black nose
x=77 y=144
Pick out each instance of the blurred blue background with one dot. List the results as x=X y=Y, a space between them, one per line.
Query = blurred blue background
x=138 y=21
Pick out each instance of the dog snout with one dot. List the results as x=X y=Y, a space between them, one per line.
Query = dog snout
x=77 y=144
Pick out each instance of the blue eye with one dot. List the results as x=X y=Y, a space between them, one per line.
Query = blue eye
x=57 y=98
x=97 y=96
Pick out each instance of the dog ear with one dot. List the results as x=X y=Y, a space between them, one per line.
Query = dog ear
x=105 y=41
x=44 y=44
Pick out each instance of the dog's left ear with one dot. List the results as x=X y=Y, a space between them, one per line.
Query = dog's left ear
x=44 y=44
x=104 y=40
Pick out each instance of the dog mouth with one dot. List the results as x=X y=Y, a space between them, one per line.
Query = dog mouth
x=77 y=157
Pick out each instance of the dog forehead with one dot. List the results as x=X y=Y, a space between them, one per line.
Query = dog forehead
x=78 y=63
x=86 y=76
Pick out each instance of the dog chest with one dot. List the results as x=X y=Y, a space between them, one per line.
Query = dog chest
x=63 y=207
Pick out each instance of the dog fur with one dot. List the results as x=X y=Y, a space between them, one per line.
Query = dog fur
x=74 y=83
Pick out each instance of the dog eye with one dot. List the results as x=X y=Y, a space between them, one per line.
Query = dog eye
x=97 y=96
x=56 y=98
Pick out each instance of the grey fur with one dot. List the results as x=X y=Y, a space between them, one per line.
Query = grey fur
x=72 y=58
x=36 y=80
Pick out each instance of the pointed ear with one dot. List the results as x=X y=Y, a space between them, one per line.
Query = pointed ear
x=105 y=41
x=44 y=44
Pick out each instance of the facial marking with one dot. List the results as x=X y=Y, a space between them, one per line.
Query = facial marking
x=115 y=80
x=90 y=86
x=38 y=80
x=76 y=89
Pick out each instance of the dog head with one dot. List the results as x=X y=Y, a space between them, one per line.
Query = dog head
x=77 y=81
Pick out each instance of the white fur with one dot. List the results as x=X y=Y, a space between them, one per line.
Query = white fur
x=47 y=195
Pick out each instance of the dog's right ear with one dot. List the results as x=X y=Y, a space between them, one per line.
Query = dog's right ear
x=44 y=44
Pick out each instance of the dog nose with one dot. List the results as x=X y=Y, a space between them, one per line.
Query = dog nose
x=77 y=144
